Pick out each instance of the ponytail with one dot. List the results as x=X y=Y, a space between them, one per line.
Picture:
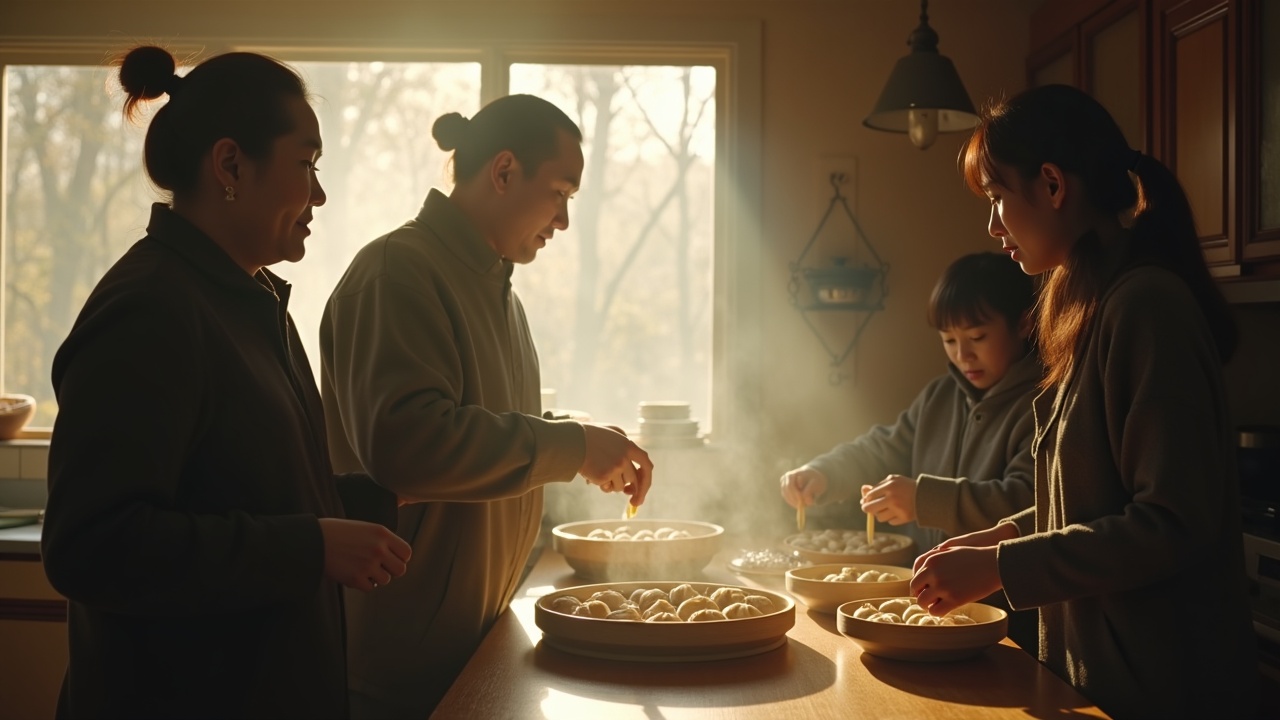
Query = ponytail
x=1165 y=230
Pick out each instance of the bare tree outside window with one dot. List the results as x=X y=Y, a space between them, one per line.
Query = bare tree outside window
x=378 y=164
x=76 y=199
x=620 y=304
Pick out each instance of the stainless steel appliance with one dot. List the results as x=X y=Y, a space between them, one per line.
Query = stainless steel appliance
x=1259 y=464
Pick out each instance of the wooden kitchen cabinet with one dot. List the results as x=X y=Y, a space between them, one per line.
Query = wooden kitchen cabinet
x=33 y=639
x=1196 y=84
x=1194 y=72
x=1261 y=130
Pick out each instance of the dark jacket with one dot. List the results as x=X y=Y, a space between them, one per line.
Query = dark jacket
x=187 y=471
x=1133 y=551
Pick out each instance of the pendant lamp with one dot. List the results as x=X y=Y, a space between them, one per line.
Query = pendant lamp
x=924 y=95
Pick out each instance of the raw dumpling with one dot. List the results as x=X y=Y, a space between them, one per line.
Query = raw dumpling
x=680 y=593
x=705 y=615
x=694 y=604
x=565 y=604
x=912 y=611
x=649 y=597
x=726 y=596
x=865 y=611
x=626 y=613
x=634 y=597
x=897 y=606
x=759 y=602
x=886 y=617
x=593 y=609
x=612 y=598
x=923 y=619
x=741 y=610
x=958 y=619
x=659 y=607
x=663 y=617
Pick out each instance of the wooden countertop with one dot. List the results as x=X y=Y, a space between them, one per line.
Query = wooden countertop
x=819 y=673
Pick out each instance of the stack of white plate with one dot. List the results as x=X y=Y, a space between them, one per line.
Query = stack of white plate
x=667 y=424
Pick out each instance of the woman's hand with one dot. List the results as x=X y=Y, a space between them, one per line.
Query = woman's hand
x=803 y=486
x=961 y=570
x=892 y=500
x=362 y=555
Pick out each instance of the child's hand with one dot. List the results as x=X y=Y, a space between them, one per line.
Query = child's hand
x=892 y=500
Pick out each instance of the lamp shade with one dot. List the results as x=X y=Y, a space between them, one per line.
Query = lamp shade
x=924 y=95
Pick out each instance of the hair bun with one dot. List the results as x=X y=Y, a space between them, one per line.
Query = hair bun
x=147 y=72
x=449 y=130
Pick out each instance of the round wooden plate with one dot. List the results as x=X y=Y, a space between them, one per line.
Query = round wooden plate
x=663 y=642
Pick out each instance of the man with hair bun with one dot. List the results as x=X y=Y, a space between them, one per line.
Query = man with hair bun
x=431 y=383
x=194 y=520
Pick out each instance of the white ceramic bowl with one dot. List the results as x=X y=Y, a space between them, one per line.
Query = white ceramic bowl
x=924 y=643
x=902 y=552
x=808 y=586
x=663 y=642
x=601 y=560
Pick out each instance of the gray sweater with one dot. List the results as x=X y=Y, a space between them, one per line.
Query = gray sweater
x=970 y=454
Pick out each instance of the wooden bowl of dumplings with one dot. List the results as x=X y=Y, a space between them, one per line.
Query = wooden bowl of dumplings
x=664 y=621
x=637 y=549
x=823 y=588
x=913 y=634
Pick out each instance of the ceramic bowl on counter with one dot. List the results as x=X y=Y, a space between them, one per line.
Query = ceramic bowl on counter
x=850 y=547
x=985 y=626
x=674 y=641
x=636 y=549
x=810 y=585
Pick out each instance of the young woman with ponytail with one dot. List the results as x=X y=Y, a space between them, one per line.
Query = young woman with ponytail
x=1132 y=551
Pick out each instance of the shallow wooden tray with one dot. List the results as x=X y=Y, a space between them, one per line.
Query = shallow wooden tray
x=806 y=584
x=663 y=642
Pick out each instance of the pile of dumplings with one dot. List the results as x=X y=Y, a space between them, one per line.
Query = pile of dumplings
x=848 y=542
x=681 y=604
x=853 y=574
x=623 y=532
x=901 y=611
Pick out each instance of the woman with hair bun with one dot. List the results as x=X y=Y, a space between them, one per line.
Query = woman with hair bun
x=1133 y=550
x=194 y=520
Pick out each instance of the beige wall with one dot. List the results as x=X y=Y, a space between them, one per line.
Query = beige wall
x=823 y=65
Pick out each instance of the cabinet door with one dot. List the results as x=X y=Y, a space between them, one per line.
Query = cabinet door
x=1113 y=45
x=1055 y=64
x=1195 y=91
x=1261 y=53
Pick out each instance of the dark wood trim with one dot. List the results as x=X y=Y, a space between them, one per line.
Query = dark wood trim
x=38 y=610
x=19 y=557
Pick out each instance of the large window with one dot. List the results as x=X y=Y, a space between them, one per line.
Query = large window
x=620 y=304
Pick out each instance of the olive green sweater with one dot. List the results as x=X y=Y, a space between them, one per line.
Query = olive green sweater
x=431 y=383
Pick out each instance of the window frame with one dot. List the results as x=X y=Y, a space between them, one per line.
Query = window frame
x=732 y=47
